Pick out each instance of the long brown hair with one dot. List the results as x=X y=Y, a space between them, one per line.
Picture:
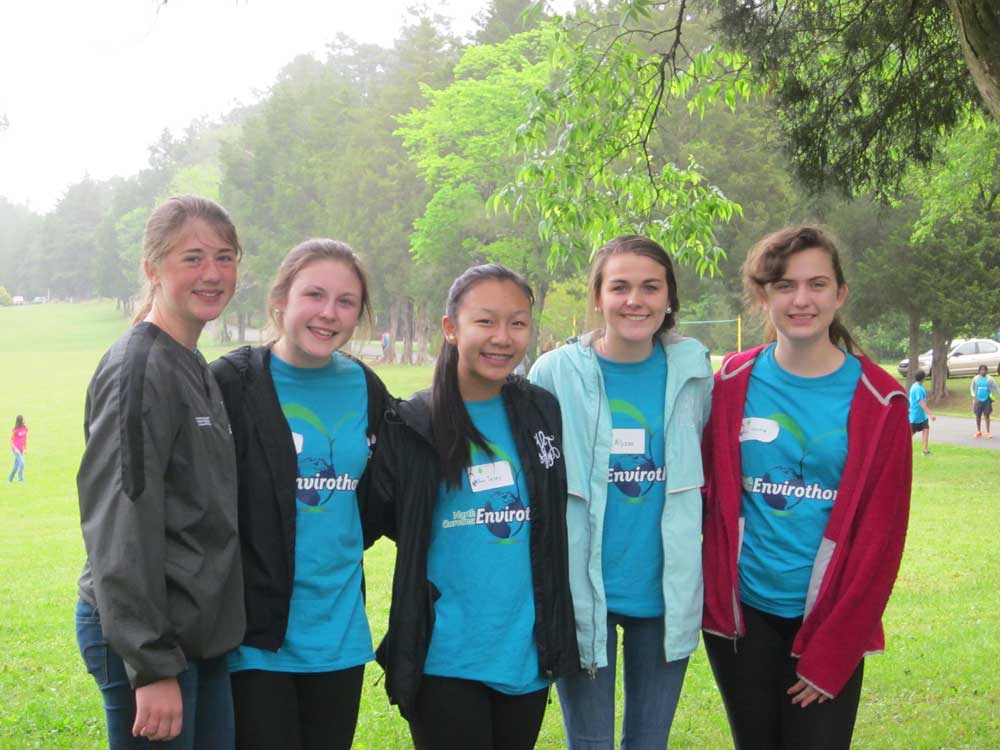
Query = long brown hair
x=166 y=225
x=767 y=262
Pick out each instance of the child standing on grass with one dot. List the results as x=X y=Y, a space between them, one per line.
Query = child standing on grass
x=806 y=504
x=634 y=397
x=920 y=414
x=472 y=477
x=19 y=445
x=304 y=419
x=982 y=388
x=161 y=593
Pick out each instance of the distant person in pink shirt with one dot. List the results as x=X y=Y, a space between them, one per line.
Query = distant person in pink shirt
x=18 y=445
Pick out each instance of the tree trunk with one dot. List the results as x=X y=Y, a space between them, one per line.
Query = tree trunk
x=978 y=23
x=408 y=332
x=939 y=366
x=541 y=292
x=914 y=350
x=241 y=326
x=224 y=337
x=390 y=354
x=423 y=335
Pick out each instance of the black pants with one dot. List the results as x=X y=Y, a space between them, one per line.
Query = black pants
x=754 y=677
x=286 y=711
x=453 y=714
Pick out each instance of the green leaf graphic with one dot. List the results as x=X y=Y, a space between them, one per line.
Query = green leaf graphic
x=624 y=407
x=297 y=411
x=787 y=423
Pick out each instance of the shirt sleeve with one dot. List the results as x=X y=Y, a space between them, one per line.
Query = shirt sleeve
x=131 y=425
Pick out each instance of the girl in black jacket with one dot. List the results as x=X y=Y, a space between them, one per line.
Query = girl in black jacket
x=303 y=416
x=474 y=491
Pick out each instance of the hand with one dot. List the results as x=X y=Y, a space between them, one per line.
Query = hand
x=805 y=694
x=158 y=710
x=933 y=418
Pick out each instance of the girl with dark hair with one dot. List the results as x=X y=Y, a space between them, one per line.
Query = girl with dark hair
x=19 y=445
x=161 y=593
x=304 y=417
x=474 y=491
x=634 y=398
x=807 y=496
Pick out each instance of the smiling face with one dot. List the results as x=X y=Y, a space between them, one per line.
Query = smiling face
x=802 y=303
x=320 y=313
x=633 y=299
x=491 y=330
x=193 y=282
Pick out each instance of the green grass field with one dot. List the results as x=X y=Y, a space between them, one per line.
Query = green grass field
x=935 y=688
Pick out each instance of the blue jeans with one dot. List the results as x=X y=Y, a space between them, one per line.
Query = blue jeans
x=18 y=466
x=652 y=689
x=205 y=693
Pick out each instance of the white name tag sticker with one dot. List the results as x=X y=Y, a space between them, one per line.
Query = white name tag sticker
x=631 y=442
x=299 y=441
x=483 y=477
x=759 y=429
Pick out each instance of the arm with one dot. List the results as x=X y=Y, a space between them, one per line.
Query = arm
x=848 y=618
x=372 y=503
x=121 y=492
x=927 y=409
x=541 y=374
x=381 y=490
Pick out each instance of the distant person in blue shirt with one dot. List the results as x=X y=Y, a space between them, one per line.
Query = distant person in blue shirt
x=982 y=387
x=304 y=416
x=920 y=413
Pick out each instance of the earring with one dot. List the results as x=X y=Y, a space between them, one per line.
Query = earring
x=669 y=310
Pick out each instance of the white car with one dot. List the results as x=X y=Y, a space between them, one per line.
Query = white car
x=964 y=358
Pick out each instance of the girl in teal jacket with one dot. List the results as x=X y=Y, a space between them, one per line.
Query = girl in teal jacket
x=634 y=397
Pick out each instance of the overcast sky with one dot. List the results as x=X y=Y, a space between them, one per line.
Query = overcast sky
x=88 y=85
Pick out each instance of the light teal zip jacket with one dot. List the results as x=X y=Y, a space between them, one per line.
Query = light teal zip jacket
x=573 y=374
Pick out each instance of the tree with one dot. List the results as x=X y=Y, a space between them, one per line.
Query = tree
x=862 y=89
x=460 y=141
x=589 y=172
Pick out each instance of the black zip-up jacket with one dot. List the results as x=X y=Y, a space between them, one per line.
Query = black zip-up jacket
x=406 y=478
x=267 y=469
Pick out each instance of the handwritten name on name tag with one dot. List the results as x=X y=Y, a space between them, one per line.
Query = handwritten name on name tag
x=628 y=441
x=483 y=477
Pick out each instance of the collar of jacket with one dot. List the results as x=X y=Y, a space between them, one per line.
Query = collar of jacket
x=254 y=366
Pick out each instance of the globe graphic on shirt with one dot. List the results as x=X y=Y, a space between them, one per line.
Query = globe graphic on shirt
x=782 y=475
x=504 y=499
x=631 y=466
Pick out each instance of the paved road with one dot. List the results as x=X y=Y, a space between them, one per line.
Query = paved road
x=960 y=431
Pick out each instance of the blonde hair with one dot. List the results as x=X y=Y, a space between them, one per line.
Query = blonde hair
x=164 y=228
x=299 y=257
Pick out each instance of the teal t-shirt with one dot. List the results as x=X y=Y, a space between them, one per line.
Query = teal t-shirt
x=328 y=630
x=981 y=383
x=793 y=445
x=632 y=547
x=917 y=394
x=480 y=561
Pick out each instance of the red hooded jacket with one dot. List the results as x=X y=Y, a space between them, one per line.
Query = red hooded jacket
x=859 y=556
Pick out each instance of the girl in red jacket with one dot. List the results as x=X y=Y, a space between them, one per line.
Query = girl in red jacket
x=807 y=495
